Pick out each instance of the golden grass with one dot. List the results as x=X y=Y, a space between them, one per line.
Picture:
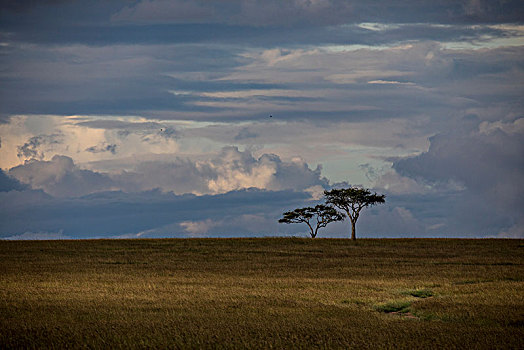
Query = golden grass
x=262 y=293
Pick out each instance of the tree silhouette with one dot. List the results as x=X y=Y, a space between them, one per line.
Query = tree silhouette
x=352 y=200
x=314 y=218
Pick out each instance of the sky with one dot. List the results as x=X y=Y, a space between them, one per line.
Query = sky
x=189 y=118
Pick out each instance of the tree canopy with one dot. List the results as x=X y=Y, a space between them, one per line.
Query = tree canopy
x=352 y=200
x=315 y=218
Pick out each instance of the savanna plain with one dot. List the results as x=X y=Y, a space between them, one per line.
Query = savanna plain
x=262 y=293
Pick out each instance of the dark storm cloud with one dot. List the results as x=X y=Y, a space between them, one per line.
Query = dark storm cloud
x=486 y=165
x=111 y=214
x=479 y=162
x=25 y=5
x=240 y=35
x=146 y=80
x=251 y=13
x=8 y=183
x=116 y=80
x=329 y=12
x=256 y=23
x=275 y=12
x=82 y=63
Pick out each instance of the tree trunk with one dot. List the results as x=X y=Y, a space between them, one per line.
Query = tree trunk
x=353 y=230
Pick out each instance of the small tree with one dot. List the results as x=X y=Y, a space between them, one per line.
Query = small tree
x=314 y=218
x=352 y=200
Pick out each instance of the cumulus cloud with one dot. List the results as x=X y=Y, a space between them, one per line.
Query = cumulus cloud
x=61 y=177
x=83 y=138
x=235 y=169
x=229 y=170
x=487 y=161
x=473 y=173
x=394 y=183
x=232 y=169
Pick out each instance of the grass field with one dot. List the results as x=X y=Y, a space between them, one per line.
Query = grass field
x=262 y=293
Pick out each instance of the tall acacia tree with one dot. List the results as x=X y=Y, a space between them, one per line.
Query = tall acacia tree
x=314 y=218
x=352 y=200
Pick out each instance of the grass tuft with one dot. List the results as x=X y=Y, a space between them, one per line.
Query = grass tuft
x=354 y=301
x=400 y=306
x=419 y=293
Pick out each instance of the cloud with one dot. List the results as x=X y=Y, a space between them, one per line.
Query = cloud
x=480 y=161
x=392 y=220
x=229 y=170
x=145 y=214
x=394 y=183
x=245 y=225
x=244 y=134
x=61 y=177
x=474 y=173
x=197 y=227
x=515 y=231
x=102 y=148
x=318 y=12
x=111 y=124
x=83 y=138
x=26 y=236
x=165 y=11
x=389 y=82
x=7 y=183
x=25 y=5
x=32 y=148
x=467 y=183
x=251 y=13
x=235 y=169
x=231 y=82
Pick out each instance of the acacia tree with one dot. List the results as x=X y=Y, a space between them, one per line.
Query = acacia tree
x=352 y=200
x=314 y=218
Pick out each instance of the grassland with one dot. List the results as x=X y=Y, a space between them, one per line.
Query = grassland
x=262 y=293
